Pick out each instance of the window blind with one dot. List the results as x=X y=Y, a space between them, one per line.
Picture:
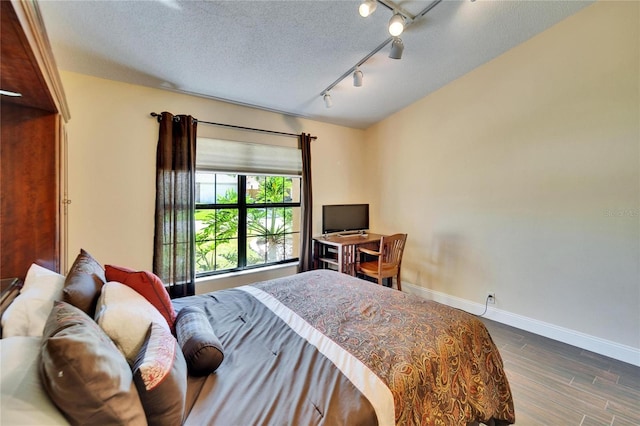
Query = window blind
x=245 y=157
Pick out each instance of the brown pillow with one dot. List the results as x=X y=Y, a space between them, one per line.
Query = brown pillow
x=160 y=374
x=83 y=283
x=201 y=348
x=84 y=373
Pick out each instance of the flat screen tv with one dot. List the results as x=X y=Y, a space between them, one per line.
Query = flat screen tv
x=345 y=218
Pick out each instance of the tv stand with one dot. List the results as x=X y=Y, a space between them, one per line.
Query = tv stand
x=339 y=251
x=347 y=234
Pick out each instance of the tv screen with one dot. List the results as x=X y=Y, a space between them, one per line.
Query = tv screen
x=345 y=217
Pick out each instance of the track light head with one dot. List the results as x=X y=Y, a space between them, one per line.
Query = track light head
x=357 y=78
x=397 y=47
x=327 y=100
x=367 y=7
x=396 y=25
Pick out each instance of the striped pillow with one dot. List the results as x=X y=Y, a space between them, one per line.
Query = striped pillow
x=201 y=348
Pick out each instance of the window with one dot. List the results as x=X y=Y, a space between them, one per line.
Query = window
x=245 y=220
x=247 y=203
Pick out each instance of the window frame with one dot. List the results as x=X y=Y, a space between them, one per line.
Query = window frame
x=242 y=206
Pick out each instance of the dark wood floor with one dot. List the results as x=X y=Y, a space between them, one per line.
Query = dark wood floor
x=558 y=384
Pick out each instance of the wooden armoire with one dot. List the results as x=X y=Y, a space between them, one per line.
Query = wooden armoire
x=32 y=145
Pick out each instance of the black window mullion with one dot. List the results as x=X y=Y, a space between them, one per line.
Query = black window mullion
x=242 y=221
x=277 y=205
x=215 y=200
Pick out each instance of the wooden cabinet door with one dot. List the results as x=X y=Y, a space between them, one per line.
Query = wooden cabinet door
x=29 y=190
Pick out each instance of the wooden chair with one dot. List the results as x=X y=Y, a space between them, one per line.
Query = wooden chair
x=388 y=259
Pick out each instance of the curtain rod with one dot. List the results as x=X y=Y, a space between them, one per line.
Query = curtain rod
x=252 y=129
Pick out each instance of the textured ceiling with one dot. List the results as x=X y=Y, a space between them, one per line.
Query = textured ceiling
x=281 y=55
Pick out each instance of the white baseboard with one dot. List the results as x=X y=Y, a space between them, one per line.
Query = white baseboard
x=604 y=347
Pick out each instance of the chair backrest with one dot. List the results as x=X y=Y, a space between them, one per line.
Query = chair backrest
x=391 y=247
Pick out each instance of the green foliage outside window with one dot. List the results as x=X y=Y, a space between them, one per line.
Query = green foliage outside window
x=268 y=228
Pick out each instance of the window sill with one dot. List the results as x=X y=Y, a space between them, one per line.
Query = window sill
x=236 y=279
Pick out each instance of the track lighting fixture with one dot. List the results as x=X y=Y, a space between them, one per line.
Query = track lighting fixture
x=357 y=78
x=367 y=7
x=396 y=25
x=397 y=47
x=400 y=20
x=327 y=100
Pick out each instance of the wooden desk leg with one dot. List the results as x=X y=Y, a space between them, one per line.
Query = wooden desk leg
x=316 y=255
x=349 y=259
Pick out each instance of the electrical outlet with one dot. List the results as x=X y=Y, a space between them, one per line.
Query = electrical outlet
x=491 y=298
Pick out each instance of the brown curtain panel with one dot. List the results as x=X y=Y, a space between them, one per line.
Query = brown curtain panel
x=174 y=237
x=306 y=247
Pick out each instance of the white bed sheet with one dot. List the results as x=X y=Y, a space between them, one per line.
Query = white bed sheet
x=23 y=400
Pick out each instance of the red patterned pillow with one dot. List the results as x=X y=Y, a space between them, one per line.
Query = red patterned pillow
x=149 y=286
x=160 y=375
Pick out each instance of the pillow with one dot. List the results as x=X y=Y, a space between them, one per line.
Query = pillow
x=84 y=373
x=83 y=283
x=148 y=285
x=160 y=375
x=23 y=400
x=201 y=348
x=126 y=316
x=28 y=312
x=42 y=278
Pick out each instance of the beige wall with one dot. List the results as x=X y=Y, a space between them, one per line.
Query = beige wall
x=111 y=153
x=522 y=178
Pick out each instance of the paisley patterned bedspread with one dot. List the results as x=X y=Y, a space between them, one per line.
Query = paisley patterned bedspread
x=439 y=362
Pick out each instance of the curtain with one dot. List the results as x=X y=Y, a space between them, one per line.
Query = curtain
x=306 y=254
x=174 y=236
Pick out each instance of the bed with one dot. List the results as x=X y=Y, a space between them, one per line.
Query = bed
x=314 y=348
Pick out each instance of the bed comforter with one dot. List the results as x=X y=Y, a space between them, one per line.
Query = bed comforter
x=326 y=348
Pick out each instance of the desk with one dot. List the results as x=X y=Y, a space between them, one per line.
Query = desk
x=339 y=252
